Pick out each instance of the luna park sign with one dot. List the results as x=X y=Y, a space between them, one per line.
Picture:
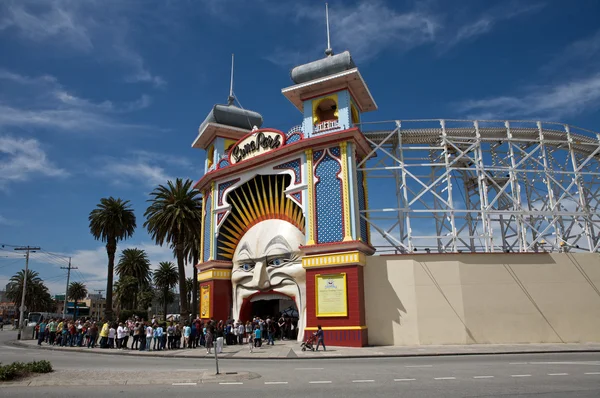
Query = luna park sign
x=256 y=144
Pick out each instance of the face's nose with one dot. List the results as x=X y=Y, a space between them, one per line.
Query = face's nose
x=260 y=277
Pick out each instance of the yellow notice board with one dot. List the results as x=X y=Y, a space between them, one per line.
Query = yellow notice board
x=205 y=301
x=331 y=295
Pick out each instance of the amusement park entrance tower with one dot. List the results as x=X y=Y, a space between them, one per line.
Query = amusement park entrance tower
x=282 y=232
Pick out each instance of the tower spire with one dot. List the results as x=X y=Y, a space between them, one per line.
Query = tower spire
x=231 y=97
x=328 y=50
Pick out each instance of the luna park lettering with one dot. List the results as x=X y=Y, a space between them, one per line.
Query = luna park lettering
x=262 y=141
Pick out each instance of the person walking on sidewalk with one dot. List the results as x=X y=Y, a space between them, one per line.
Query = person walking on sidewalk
x=320 y=340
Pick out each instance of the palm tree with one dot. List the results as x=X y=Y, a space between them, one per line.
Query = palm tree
x=135 y=263
x=175 y=213
x=111 y=221
x=77 y=291
x=189 y=287
x=165 y=279
x=124 y=291
x=37 y=297
x=145 y=297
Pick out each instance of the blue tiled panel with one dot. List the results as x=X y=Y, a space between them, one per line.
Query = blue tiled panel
x=292 y=165
x=335 y=151
x=361 y=206
x=293 y=138
x=317 y=155
x=328 y=193
x=223 y=186
x=207 y=219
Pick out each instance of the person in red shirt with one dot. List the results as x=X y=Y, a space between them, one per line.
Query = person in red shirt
x=72 y=334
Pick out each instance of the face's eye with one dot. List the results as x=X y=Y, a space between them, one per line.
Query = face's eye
x=247 y=266
x=277 y=262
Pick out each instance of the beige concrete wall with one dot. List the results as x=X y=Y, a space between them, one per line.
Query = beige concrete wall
x=483 y=298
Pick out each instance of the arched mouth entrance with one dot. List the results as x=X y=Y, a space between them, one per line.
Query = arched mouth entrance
x=269 y=304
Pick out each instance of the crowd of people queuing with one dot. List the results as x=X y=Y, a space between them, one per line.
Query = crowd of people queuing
x=154 y=335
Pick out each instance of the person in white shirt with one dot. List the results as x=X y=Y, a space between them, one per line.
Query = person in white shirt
x=121 y=333
x=111 y=337
x=149 y=333
x=240 y=332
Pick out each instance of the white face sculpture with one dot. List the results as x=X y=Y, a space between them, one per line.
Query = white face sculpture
x=267 y=259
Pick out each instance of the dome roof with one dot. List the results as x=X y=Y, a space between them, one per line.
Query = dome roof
x=324 y=67
x=231 y=115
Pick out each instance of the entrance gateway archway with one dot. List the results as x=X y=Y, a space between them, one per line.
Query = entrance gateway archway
x=272 y=304
x=286 y=219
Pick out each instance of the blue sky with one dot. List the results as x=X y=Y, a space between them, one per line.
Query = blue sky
x=103 y=98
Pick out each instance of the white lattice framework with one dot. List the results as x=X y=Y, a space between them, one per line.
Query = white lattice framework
x=482 y=186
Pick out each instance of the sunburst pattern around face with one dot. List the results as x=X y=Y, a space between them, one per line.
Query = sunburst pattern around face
x=259 y=199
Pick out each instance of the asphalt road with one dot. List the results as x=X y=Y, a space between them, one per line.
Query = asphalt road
x=527 y=375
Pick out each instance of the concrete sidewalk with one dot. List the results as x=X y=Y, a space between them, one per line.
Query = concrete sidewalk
x=107 y=378
x=291 y=350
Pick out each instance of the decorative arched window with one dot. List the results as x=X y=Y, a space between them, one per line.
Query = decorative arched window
x=210 y=155
x=354 y=111
x=325 y=113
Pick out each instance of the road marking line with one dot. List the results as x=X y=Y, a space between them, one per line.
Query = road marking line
x=444 y=378
x=232 y=383
x=276 y=382
x=309 y=368
x=558 y=374
x=483 y=377
x=363 y=381
x=184 y=384
x=188 y=370
x=418 y=366
x=520 y=375
x=320 y=382
x=592 y=373
x=405 y=379
x=517 y=363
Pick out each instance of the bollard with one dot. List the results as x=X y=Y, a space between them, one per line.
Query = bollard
x=216 y=359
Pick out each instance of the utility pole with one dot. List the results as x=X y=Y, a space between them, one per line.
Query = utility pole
x=69 y=268
x=99 y=291
x=27 y=249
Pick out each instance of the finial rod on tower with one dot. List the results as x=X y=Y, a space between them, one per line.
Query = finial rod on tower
x=231 y=97
x=328 y=51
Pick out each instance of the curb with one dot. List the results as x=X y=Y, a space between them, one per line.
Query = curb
x=367 y=356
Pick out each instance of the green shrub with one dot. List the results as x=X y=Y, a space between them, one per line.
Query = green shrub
x=20 y=369
x=39 y=367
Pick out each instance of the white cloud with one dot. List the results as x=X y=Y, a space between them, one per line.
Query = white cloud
x=564 y=99
x=43 y=102
x=123 y=171
x=92 y=263
x=24 y=158
x=5 y=221
x=53 y=20
x=143 y=167
x=368 y=28
x=486 y=22
x=89 y=28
